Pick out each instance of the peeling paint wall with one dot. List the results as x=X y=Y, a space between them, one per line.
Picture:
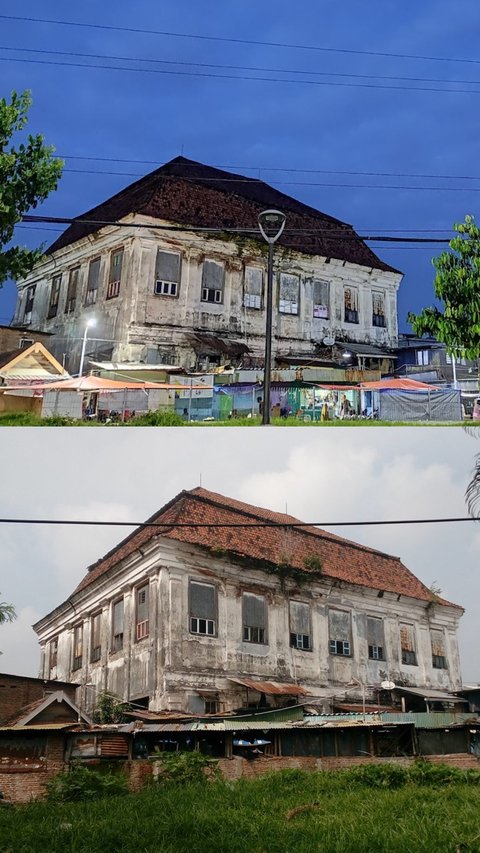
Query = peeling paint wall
x=141 y=324
x=183 y=654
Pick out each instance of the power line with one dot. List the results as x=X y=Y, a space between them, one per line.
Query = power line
x=280 y=169
x=218 y=66
x=338 y=235
x=231 y=525
x=244 y=180
x=256 y=78
x=230 y=40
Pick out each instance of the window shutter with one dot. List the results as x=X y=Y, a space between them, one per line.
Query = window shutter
x=254 y=611
x=167 y=266
x=202 y=601
x=299 y=618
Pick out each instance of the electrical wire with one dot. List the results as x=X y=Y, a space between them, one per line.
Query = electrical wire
x=218 y=66
x=210 y=75
x=232 y=525
x=231 y=40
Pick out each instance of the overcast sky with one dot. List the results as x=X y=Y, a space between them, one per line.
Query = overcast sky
x=300 y=136
x=349 y=474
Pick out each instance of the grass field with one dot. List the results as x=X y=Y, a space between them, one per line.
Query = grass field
x=290 y=812
x=28 y=419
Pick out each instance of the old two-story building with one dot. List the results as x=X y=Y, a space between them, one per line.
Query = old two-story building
x=216 y=605
x=173 y=270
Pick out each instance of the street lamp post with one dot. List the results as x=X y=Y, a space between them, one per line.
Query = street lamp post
x=91 y=322
x=271 y=224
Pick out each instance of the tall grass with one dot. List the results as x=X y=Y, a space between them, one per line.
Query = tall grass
x=290 y=811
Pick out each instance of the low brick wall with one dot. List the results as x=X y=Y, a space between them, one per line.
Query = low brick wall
x=22 y=781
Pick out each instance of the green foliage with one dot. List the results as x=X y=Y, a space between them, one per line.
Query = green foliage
x=457 y=284
x=158 y=418
x=7 y=612
x=110 y=709
x=186 y=768
x=313 y=564
x=390 y=776
x=423 y=772
x=84 y=783
x=28 y=173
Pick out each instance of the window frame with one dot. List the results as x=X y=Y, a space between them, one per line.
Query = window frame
x=252 y=300
x=353 y=317
x=218 y=293
x=96 y=636
x=379 y=320
x=118 y=637
x=255 y=634
x=77 y=659
x=168 y=287
x=376 y=651
x=337 y=646
x=298 y=639
x=319 y=308
x=408 y=657
x=114 y=284
x=288 y=307
x=202 y=626
x=72 y=290
x=29 y=302
x=142 y=626
x=91 y=299
x=53 y=653
x=55 y=286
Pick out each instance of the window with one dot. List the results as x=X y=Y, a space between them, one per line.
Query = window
x=375 y=638
x=167 y=274
x=53 y=653
x=72 y=290
x=211 y=706
x=92 y=282
x=253 y=287
x=378 y=309
x=300 y=625
x=29 y=299
x=77 y=646
x=213 y=278
x=117 y=625
x=115 y=274
x=288 y=293
x=339 y=629
x=202 y=608
x=407 y=644
x=439 y=659
x=350 y=305
x=141 y=616
x=422 y=357
x=54 y=296
x=254 y=618
x=95 y=637
x=321 y=300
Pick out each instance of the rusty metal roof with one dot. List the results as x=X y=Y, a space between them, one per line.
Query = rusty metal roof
x=271 y=688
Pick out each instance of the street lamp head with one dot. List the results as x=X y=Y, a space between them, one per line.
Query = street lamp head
x=271 y=224
x=92 y=321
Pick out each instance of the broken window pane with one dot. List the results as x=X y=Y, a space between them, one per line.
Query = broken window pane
x=117 y=625
x=375 y=638
x=289 y=293
x=300 y=625
x=213 y=276
x=339 y=629
x=439 y=659
x=142 y=625
x=54 y=296
x=115 y=273
x=254 y=618
x=95 y=641
x=350 y=301
x=253 y=287
x=72 y=290
x=92 y=282
x=203 y=607
x=378 y=309
x=321 y=299
x=407 y=643
x=167 y=274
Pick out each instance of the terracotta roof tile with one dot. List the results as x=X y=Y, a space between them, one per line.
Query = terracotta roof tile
x=189 y=193
x=339 y=558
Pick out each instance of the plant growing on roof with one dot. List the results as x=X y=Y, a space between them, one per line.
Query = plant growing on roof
x=110 y=709
x=28 y=173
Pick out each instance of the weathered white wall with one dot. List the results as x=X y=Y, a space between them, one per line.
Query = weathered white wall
x=171 y=664
x=137 y=319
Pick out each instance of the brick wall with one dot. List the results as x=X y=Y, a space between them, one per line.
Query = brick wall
x=16 y=691
x=10 y=338
x=20 y=782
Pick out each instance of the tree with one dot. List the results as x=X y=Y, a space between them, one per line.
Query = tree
x=457 y=284
x=28 y=173
x=7 y=613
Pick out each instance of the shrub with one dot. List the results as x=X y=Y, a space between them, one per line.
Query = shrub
x=380 y=775
x=159 y=418
x=84 y=783
x=185 y=768
x=425 y=773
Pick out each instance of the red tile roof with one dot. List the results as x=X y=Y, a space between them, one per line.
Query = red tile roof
x=189 y=193
x=339 y=558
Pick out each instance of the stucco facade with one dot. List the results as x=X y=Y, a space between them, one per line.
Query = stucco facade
x=152 y=289
x=171 y=624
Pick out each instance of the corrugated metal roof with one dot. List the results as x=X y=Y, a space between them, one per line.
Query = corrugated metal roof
x=271 y=688
x=39 y=727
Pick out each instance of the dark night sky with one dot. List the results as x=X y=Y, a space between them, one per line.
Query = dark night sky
x=301 y=137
